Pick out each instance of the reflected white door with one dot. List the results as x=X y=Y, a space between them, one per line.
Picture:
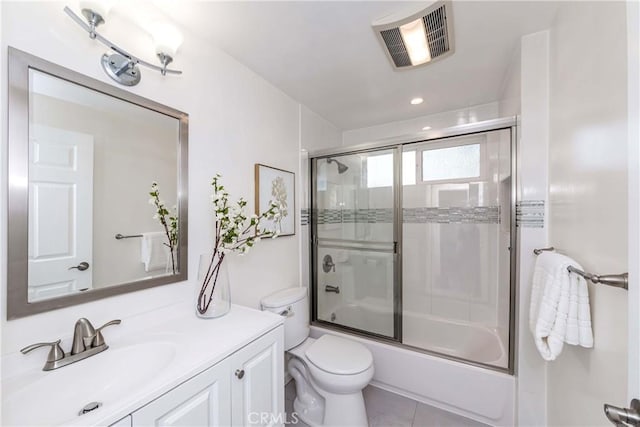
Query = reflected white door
x=60 y=212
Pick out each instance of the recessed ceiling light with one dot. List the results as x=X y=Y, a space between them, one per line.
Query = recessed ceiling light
x=416 y=101
x=426 y=128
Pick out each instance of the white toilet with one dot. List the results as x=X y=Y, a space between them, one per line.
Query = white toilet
x=330 y=372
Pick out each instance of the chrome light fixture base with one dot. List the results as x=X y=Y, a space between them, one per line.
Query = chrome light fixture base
x=94 y=19
x=164 y=60
x=121 y=69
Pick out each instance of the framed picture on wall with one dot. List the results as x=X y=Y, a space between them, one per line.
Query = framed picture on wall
x=277 y=185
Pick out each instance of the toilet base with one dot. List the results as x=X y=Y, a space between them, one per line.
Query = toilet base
x=319 y=408
x=345 y=410
x=310 y=415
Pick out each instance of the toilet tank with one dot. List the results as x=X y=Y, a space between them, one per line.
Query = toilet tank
x=293 y=304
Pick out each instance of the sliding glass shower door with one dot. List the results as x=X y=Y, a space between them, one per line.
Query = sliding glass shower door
x=355 y=233
x=457 y=237
x=414 y=244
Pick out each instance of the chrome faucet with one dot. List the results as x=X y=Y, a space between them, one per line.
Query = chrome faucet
x=329 y=288
x=87 y=341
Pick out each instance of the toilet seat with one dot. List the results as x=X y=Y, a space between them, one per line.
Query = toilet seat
x=339 y=356
x=336 y=348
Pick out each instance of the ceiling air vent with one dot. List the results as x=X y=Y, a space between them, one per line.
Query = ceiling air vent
x=419 y=38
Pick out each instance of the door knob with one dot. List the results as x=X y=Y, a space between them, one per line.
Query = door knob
x=624 y=416
x=240 y=373
x=82 y=266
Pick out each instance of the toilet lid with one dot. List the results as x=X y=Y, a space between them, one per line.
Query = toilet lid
x=339 y=355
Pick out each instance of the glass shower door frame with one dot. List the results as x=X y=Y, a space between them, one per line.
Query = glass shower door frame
x=396 y=250
x=507 y=123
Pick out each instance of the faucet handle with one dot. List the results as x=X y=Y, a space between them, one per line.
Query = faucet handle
x=98 y=339
x=56 y=352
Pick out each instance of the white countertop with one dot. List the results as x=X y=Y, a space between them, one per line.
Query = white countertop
x=186 y=345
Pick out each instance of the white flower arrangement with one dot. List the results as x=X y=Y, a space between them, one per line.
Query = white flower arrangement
x=234 y=232
x=169 y=222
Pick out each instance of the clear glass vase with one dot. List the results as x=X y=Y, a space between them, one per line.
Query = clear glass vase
x=215 y=300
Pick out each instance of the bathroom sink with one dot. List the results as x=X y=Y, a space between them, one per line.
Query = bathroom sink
x=61 y=394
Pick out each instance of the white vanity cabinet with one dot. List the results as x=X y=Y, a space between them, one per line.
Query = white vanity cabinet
x=246 y=388
x=170 y=368
x=257 y=385
x=204 y=400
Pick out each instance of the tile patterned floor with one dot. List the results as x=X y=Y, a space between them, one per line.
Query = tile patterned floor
x=385 y=409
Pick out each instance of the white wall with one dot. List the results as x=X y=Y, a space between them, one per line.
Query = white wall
x=532 y=186
x=633 y=114
x=316 y=133
x=588 y=198
x=236 y=120
x=445 y=119
x=509 y=103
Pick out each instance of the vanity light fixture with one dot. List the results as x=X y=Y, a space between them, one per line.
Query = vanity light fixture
x=417 y=101
x=426 y=128
x=167 y=39
x=121 y=65
x=95 y=12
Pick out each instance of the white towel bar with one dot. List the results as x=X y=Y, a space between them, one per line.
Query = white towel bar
x=120 y=236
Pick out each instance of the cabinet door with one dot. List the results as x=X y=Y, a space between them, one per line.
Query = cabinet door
x=201 y=401
x=124 y=422
x=257 y=383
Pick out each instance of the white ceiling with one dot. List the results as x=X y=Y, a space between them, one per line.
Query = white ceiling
x=326 y=55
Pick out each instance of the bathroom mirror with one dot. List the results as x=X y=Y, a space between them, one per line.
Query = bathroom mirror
x=83 y=156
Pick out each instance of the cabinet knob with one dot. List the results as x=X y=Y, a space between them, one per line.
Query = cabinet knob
x=240 y=373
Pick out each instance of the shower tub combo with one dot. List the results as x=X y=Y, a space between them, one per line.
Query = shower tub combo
x=411 y=255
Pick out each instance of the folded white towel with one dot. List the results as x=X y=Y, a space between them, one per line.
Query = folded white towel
x=559 y=309
x=153 y=251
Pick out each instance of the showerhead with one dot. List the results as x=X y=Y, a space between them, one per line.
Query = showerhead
x=342 y=168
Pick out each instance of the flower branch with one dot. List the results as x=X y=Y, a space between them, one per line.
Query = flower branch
x=234 y=232
x=169 y=222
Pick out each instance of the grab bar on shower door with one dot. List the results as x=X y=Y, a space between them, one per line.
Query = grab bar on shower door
x=358 y=245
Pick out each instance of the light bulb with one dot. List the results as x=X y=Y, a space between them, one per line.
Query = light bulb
x=415 y=40
x=417 y=101
x=166 y=38
x=98 y=7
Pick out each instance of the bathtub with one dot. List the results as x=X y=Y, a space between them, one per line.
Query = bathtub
x=482 y=394
x=463 y=340
x=460 y=339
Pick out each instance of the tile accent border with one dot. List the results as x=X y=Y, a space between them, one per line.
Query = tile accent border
x=530 y=214
x=474 y=215
x=457 y=215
